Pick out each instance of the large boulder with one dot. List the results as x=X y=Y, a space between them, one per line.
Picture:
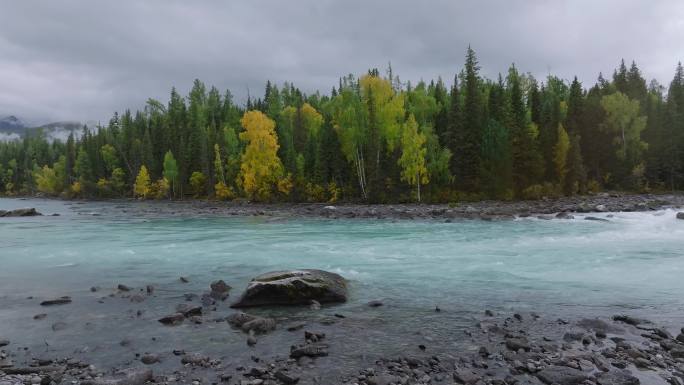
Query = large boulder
x=293 y=287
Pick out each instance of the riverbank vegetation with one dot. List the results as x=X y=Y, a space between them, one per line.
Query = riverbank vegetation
x=377 y=139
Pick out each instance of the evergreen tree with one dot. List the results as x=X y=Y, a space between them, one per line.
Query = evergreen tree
x=468 y=139
x=527 y=162
x=70 y=160
x=449 y=138
x=575 y=176
x=573 y=118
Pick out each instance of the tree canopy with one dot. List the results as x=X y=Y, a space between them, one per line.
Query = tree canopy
x=374 y=138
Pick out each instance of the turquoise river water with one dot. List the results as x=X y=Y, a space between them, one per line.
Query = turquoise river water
x=632 y=263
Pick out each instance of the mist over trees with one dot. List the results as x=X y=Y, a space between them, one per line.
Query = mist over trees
x=376 y=139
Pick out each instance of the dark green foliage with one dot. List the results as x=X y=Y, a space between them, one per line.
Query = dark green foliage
x=494 y=139
x=467 y=134
x=527 y=162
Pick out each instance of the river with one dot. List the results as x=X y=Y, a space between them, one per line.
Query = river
x=629 y=263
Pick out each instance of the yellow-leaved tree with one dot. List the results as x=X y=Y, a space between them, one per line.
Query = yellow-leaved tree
x=368 y=120
x=413 y=166
x=142 y=185
x=261 y=169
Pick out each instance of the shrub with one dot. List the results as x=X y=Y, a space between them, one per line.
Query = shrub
x=198 y=183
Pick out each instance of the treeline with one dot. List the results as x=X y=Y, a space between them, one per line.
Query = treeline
x=375 y=139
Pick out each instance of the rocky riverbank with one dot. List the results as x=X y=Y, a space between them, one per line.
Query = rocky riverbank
x=497 y=348
x=486 y=210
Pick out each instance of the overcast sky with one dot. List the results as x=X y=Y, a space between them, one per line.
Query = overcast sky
x=84 y=59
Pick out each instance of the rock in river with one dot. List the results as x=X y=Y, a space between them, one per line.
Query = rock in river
x=57 y=301
x=294 y=287
x=172 y=319
x=28 y=212
x=130 y=376
x=149 y=359
x=680 y=215
x=308 y=350
x=249 y=323
x=219 y=290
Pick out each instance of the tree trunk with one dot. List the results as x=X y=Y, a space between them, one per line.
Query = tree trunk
x=418 y=188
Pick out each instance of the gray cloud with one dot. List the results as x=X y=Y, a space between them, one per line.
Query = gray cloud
x=82 y=59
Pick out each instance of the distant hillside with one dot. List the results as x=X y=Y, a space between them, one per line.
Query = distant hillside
x=12 y=128
x=10 y=124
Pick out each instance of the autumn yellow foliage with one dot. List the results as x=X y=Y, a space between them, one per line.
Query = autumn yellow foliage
x=223 y=192
x=142 y=185
x=76 y=188
x=261 y=168
x=413 y=165
x=161 y=188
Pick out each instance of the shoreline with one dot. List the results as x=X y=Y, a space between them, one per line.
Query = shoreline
x=562 y=208
x=495 y=347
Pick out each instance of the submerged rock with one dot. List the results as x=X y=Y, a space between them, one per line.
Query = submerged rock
x=188 y=310
x=219 y=290
x=286 y=378
x=251 y=324
x=149 y=359
x=309 y=350
x=597 y=219
x=294 y=287
x=564 y=215
x=122 y=287
x=131 y=376
x=56 y=301
x=628 y=320
x=26 y=212
x=196 y=359
x=259 y=325
x=57 y=326
x=172 y=319
x=240 y=318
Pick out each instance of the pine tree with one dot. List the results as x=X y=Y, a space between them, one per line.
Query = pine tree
x=575 y=176
x=70 y=160
x=534 y=103
x=673 y=152
x=449 y=138
x=573 y=119
x=560 y=151
x=442 y=115
x=496 y=161
x=468 y=139
x=527 y=162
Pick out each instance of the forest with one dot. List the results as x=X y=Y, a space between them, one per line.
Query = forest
x=374 y=139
